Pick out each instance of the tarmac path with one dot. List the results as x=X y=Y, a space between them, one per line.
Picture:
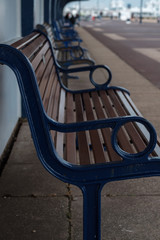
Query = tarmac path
x=136 y=44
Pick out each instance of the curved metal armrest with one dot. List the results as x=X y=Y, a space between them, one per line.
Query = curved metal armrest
x=69 y=32
x=115 y=124
x=81 y=52
x=68 y=41
x=71 y=49
x=91 y=70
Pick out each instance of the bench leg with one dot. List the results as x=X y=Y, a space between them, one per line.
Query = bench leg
x=92 y=211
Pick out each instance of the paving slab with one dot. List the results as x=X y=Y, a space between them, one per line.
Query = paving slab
x=130 y=218
x=30 y=179
x=123 y=217
x=33 y=204
x=24 y=174
x=31 y=218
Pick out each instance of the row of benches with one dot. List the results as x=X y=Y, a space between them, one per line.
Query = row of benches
x=84 y=137
x=67 y=53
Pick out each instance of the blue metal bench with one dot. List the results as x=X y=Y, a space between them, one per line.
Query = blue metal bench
x=87 y=138
x=67 y=32
x=66 y=56
x=69 y=37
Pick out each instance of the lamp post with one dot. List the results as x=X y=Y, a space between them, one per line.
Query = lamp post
x=141 y=14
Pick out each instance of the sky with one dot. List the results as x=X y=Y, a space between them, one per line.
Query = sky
x=105 y=3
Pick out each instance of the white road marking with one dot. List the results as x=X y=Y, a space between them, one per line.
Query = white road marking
x=114 y=36
x=153 y=53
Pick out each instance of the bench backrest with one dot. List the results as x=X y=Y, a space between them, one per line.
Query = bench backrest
x=32 y=61
x=39 y=52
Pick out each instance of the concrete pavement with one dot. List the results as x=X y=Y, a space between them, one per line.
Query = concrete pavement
x=35 y=205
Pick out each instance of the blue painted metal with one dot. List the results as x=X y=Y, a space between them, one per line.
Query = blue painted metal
x=27 y=9
x=67 y=37
x=47 y=11
x=91 y=178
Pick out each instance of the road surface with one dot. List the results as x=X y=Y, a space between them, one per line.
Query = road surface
x=137 y=44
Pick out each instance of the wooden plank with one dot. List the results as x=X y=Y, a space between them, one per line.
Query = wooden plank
x=49 y=91
x=111 y=112
x=96 y=144
x=56 y=102
x=41 y=67
x=107 y=132
x=132 y=109
x=34 y=46
x=83 y=145
x=41 y=56
x=135 y=136
x=60 y=136
x=25 y=40
x=52 y=86
x=45 y=76
x=70 y=137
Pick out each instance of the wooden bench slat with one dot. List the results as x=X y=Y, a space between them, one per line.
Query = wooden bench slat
x=45 y=76
x=96 y=143
x=49 y=91
x=32 y=48
x=41 y=67
x=84 y=154
x=53 y=108
x=52 y=86
x=70 y=137
x=132 y=109
x=56 y=102
x=111 y=112
x=113 y=156
x=42 y=53
x=132 y=131
x=60 y=136
x=25 y=40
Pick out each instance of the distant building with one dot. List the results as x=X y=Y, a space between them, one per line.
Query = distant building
x=117 y=5
x=150 y=9
x=153 y=7
x=119 y=9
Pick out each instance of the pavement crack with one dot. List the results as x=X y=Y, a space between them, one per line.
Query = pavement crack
x=69 y=213
x=32 y=196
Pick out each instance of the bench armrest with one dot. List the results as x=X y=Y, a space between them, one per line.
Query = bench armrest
x=68 y=39
x=115 y=124
x=91 y=70
x=71 y=49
